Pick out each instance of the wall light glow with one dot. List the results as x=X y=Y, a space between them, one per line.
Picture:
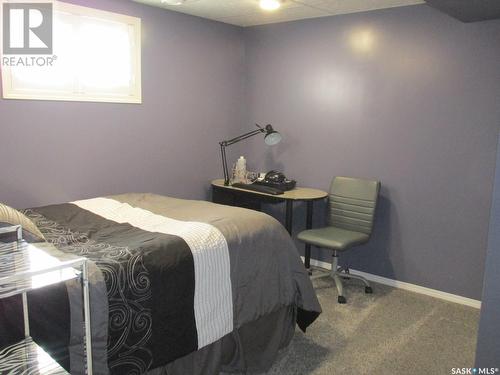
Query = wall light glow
x=270 y=4
x=362 y=40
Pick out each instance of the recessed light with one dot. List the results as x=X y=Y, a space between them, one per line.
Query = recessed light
x=270 y=4
x=173 y=2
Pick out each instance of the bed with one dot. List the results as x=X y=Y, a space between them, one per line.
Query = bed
x=177 y=286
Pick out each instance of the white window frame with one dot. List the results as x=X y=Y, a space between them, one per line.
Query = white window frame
x=135 y=96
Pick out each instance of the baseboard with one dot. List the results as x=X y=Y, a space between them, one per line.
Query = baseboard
x=407 y=286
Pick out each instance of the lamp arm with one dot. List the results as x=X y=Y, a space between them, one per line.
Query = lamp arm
x=224 y=164
x=232 y=141
x=242 y=137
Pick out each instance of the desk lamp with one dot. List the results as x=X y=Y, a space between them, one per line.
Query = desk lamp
x=271 y=137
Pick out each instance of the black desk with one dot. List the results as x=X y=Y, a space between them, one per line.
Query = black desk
x=253 y=199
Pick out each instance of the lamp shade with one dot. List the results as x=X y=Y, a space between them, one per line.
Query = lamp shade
x=272 y=137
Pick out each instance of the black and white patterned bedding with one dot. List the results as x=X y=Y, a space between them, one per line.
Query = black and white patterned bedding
x=170 y=283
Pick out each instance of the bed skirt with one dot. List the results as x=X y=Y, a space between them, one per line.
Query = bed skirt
x=253 y=348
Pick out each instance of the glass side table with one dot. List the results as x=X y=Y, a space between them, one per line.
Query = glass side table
x=25 y=267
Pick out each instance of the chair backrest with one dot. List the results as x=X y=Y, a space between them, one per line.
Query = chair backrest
x=352 y=203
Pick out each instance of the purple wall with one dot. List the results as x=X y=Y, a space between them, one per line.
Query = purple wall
x=407 y=95
x=192 y=95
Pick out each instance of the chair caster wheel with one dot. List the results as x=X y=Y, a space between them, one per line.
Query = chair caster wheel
x=368 y=290
x=341 y=299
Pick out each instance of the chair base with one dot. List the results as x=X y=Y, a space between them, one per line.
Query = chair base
x=337 y=274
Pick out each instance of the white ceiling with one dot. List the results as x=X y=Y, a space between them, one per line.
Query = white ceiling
x=248 y=12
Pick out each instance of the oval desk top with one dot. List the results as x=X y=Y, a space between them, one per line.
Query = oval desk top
x=298 y=194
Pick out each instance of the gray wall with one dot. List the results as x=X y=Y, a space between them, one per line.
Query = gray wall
x=192 y=95
x=488 y=345
x=407 y=95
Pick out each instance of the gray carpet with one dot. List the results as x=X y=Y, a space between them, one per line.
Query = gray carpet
x=390 y=332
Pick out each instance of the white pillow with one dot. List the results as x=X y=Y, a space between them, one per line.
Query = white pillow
x=10 y=216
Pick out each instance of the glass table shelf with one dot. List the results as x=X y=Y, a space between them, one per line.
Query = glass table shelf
x=28 y=358
x=25 y=267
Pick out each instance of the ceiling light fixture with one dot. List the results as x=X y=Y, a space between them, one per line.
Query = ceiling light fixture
x=173 y=2
x=270 y=4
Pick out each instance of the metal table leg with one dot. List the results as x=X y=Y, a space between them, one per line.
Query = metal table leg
x=86 y=317
x=26 y=316
x=289 y=216
x=307 y=252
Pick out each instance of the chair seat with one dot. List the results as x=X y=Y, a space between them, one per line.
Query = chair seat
x=332 y=238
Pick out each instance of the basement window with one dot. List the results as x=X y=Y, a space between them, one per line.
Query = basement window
x=96 y=58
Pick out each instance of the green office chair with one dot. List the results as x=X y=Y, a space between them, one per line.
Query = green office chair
x=352 y=206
